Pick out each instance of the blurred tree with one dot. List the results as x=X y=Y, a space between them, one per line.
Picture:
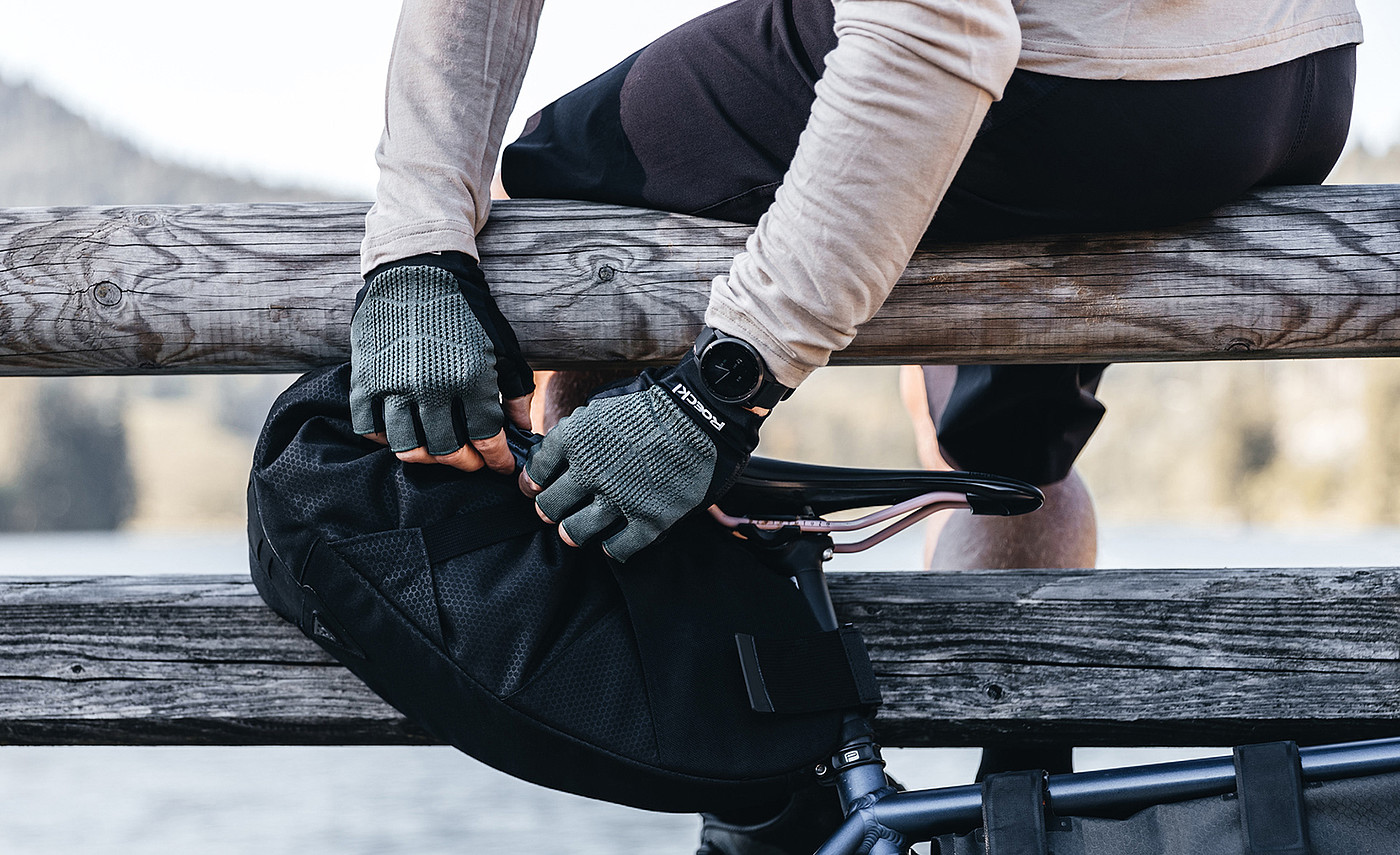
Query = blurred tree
x=74 y=474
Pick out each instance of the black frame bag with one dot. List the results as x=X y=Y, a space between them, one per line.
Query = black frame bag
x=446 y=594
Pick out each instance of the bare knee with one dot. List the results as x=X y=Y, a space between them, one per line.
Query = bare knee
x=1063 y=533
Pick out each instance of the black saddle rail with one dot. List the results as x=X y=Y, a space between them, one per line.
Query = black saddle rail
x=772 y=495
x=783 y=487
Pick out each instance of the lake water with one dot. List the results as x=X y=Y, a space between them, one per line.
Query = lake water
x=308 y=801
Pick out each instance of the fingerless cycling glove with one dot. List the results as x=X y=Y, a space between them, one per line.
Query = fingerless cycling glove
x=430 y=351
x=641 y=455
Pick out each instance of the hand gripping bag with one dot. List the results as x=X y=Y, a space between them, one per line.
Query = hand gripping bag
x=446 y=594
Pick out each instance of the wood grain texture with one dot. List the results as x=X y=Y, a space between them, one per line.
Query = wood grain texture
x=171 y=660
x=1142 y=657
x=1295 y=271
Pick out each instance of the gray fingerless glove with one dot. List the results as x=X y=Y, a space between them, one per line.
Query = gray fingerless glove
x=637 y=457
x=426 y=367
x=641 y=455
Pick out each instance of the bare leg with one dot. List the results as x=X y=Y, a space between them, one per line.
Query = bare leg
x=914 y=391
x=562 y=392
x=1063 y=533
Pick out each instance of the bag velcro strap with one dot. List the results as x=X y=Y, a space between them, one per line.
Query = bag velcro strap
x=1269 y=781
x=808 y=673
x=1013 y=813
x=468 y=531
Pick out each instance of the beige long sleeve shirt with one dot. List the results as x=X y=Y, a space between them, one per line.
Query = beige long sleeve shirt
x=897 y=107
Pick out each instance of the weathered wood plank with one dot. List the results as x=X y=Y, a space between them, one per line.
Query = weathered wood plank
x=1132 y=657
x=171 y=660
x=1136 y=657
x=1284 y=272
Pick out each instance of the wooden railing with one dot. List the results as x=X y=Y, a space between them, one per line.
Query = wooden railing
x=1136 y=657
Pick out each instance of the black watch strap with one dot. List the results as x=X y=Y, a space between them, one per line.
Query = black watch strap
x=769 y=392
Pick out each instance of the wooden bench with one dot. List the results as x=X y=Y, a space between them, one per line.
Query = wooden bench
x=1110 y=657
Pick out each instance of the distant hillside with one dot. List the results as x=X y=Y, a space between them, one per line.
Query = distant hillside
x=145 y=451
x=49 y=155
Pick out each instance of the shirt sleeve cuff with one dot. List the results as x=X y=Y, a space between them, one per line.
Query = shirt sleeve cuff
x=377 y=249
x=787 y=367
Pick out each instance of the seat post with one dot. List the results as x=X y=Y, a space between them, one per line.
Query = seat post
x=857 y=765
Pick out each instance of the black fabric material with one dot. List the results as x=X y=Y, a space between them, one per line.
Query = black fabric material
x=1010 y=756
x=1269 y=782
x=1026 y=421
x=798 y=828
x=686 y=600
x=706 y=119
x=457 y=535
x=809 y=673
x=1013 y=813
x=552 y=664
x=546 y=162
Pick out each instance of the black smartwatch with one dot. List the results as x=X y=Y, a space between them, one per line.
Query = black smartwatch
x=733 y=371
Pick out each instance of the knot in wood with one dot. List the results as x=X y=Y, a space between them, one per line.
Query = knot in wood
x=106 y=293
x=995 y=692
x=1239 y=344
x=606 y=273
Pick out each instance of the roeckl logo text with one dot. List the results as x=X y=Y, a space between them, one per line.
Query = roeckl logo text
x=689 y=397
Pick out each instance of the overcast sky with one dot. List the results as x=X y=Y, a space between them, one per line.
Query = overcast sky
x=291 y=90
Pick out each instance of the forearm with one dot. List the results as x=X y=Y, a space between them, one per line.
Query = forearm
x=900 y=101
x=453 y=79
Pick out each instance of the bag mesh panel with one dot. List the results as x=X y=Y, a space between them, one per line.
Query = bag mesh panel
x=1355 y=816
x=508 y=610
x=594 y=691
x=320 y=474
x=395 y=563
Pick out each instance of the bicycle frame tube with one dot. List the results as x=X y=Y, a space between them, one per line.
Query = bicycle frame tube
x=920 y=815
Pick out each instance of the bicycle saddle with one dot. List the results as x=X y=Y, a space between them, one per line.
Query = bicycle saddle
x=767 y=487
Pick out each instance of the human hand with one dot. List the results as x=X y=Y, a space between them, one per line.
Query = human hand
x=431 y=358
x=637 y=458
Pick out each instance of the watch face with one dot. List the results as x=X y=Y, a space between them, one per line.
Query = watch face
x=731 y=369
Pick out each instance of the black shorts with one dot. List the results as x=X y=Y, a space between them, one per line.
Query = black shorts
x=705 y=120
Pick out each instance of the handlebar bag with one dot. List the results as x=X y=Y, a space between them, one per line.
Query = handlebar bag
x=446 y=595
